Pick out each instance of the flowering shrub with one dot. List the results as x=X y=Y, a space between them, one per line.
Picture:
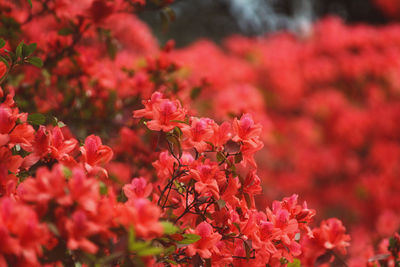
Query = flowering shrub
x=115 y=152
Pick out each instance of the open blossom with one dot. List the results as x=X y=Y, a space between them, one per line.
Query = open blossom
x=9 y=166
x=207 y=177
x=221 y=134
x=22 y=235
x=12 y=133
x=45 y=187
x=95 y=154
x=142 y=215
x=206 y=245
x=325 y=93
x=331 y=235
x=246 y=129
x=197 y=133
x=79 y=228
x=164 y=114
x=138 y=188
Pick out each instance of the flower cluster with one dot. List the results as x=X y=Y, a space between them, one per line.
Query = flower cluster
x=180 y=182
x=58 y=205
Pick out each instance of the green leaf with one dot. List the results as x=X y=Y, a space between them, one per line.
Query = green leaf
x=189 y=239
x=169 y=250
x=18 y=51
x=36 y=119
x=248 y=200
x=35 y=61
x=237 y=226
x=167 y=15
x=30 y=3
x=65 y=31
x=295 y=263
x=221 y=203
x=178 y=186
x=177 y=131
x=178 y=121
x=2 y=42
x=220 y=157
x=283 y=261
x=112 y=48
x=11 y=55
x=150 y=251
x=27 y=50
x=4 y=61
x=247 y=249
x=53 y=228
x=103 y=188
x=175 y=144
x=131 y=238
x=138 y=246
x=195 y=92
x=171 y=262
x=169 y=228
x=67 y=172
x=238 y=157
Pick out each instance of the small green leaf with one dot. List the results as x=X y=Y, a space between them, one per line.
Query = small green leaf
x=30 y=3
x=53 y=228
x=103 y=188
x=131 y=238
x=169 y=250
x=112 y=48
x=247 y=249
x=195 y=92
x=238 y=157
x=237 y=226
x=178 y=186
x=18 y=51
x=2 y=59
x=175 y=144
x=35 y=61
x=221 y=203
x=2 y=42
x=27 y=50
x=61 y=124
x=283 y=261
x=171 y=262
x=248 y=200
x=65 y=31
x=36 y=119
x=138 y=246
x=295 y=263
x=177 y=131
x=220 y=157
x=189 y=239
x=67 y=172
x=211 y=144
x=169 y=228
x=150 y=251
x=178 y=121
x=167 y=15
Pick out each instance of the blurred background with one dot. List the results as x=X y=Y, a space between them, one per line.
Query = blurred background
x=217 y=19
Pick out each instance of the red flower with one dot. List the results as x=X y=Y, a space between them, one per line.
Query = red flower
x=164 y=113
x=79 y=228
x=331 y=235
x=206 y=245
x=138 y=188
